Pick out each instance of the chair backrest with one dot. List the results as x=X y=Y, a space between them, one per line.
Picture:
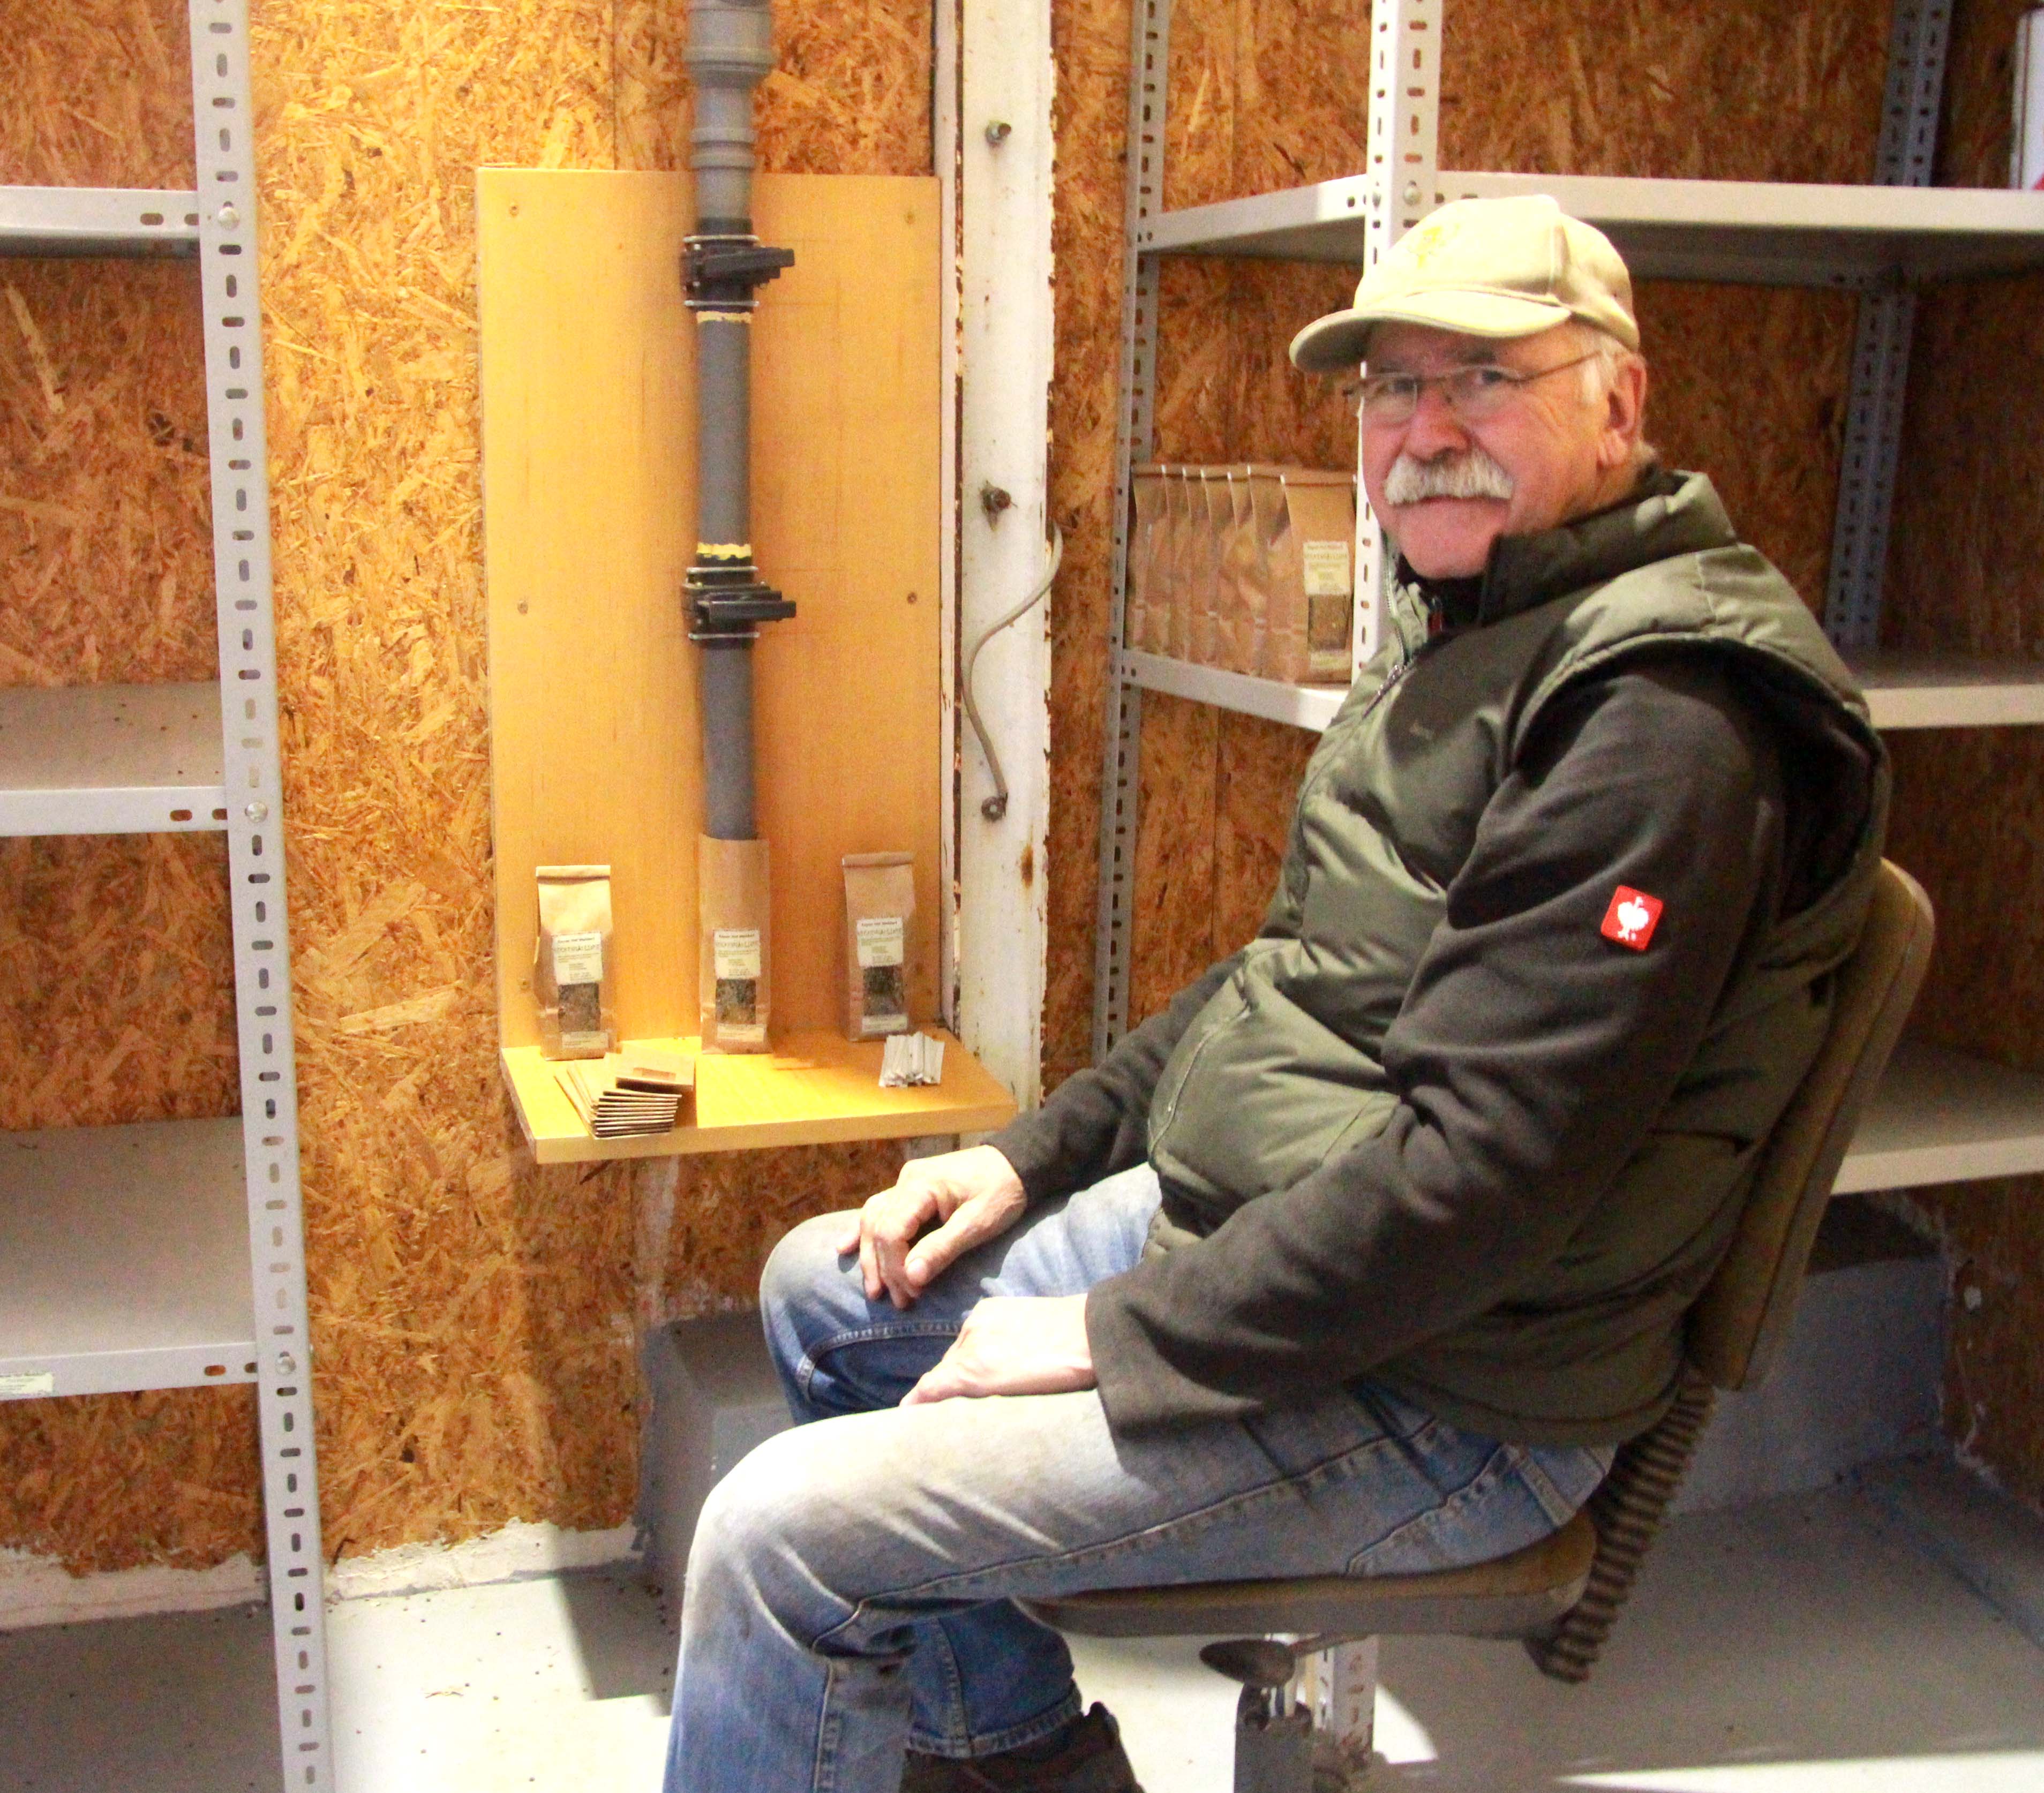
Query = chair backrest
x=1739 y=1324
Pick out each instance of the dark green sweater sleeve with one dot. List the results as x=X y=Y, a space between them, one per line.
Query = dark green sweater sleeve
x=1531 y=1055
x=1097 y=1122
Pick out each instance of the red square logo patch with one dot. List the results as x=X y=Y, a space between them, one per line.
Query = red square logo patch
x=1631 y=918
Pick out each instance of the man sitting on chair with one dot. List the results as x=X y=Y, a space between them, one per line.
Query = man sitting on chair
x=1364 y=1255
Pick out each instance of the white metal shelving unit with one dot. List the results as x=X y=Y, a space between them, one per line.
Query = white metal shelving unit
x=171 y=1255
x=1939 y=1116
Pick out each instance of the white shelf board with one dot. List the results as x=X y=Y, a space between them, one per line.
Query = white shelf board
x=124 y=1259
x=1941 y=1117
x=1763 y=232
x=102 y=759
x=1950 y=690
x=1903 y=690
x=1304 y=706
x=97 y=221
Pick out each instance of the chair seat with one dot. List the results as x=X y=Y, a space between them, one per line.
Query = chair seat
x=1514 y=1596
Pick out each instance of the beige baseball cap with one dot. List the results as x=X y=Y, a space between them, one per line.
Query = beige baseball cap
x=1483 y=267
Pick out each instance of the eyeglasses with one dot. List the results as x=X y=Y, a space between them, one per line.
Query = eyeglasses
x=1473 y=393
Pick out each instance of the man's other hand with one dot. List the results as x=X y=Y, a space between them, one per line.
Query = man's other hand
x=1013 y=1344
x=969 y=1197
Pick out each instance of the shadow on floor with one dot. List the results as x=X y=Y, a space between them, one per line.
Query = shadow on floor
x=1798 y=1645
x=626 y=1648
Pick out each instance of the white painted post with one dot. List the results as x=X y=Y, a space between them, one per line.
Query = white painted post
x=1003 y=149
x=944 y=163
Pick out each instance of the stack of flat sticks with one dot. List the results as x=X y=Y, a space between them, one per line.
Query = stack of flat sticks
x=630 y=1092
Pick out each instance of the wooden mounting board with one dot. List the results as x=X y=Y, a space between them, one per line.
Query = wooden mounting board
x=815 y=1087
x=589 y=480
x=587 y=356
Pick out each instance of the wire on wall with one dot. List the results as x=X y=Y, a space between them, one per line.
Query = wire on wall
x=995 y=806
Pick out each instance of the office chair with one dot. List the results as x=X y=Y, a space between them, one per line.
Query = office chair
x=1309 y=1701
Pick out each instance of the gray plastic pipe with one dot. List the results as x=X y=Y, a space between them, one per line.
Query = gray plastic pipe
x=724 y=697
x=730 y=49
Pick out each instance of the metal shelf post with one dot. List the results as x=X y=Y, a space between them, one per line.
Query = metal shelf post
x=1149 y=80
x=223 y=126
x=1880 y=378
x=1404 y=154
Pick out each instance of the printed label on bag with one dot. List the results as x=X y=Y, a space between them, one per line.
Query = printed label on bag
x=736 y=951
x=1325 y=565
x=36 y=1382
x=881 y=941
x=1328 y=622
x=578 y=959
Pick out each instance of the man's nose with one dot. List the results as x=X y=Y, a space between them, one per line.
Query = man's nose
x=1435 y=428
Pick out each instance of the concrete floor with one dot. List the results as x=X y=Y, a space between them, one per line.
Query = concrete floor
x=1798 y=1645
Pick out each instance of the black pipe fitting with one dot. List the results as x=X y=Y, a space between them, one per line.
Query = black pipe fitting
x=717 y=616
x=722 y=273
x=725 y=602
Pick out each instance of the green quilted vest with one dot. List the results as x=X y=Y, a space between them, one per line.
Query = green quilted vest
x=1281 y=1069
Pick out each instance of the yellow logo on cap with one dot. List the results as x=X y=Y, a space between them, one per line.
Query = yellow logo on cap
x=1424 y=241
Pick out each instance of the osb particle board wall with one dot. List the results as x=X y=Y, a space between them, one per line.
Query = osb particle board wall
x=473 y=1318
x=1749 y=384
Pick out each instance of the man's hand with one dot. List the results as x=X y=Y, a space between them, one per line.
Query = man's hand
x=973 y=1195
x=1013 y=1344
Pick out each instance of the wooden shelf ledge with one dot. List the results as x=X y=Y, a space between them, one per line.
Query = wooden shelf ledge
x=813 y=1088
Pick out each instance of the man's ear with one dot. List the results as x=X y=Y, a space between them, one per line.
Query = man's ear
x=1625 y=413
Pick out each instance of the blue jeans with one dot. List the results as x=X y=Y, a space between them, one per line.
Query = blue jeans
x=850 y=1590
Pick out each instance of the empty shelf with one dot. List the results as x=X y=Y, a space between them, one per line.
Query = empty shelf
x=1764 y=233
x=812 y=1088
x=1949 y=691
x=1903 y=690
x=1941 y=1117
x=97 y=221
x=1304 y=706
x=124 y=1259
x=102 y=759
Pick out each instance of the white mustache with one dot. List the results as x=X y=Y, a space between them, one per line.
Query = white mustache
x=1471 y=474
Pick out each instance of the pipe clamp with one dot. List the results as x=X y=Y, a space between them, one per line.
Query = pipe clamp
x=722 y=273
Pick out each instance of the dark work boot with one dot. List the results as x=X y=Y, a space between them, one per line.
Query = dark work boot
x=1086 y=1756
